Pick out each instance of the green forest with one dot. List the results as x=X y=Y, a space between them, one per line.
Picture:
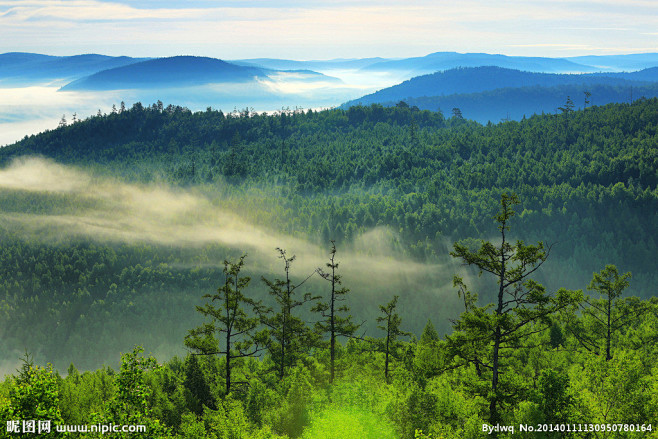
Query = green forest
x=375 y=272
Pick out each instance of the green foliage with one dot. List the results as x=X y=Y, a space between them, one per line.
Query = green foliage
x=605 y=316
x=348 y=423
x=191 y=427
x=430 y=351
x=592 y=192
x=337 y=174
x=617 y=390
x=130 y=404
x=334 y=324
x=86 y=394
x=35 y=396
x=288 y=335
x=229 y=323
x=294 y=411
x=554 y=398
x=195 y=383
x=390 y=324
x=481 y=334
x=227 y=422
x=610 y=284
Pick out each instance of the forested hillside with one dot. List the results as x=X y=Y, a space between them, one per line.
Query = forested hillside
x=113 y=235
x=518 y=103
x=587 y=178
x=480 y=79
x=494 y=94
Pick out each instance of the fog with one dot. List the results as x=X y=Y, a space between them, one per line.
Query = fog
x=29 y=110
x=109 y=210
x=33 y=109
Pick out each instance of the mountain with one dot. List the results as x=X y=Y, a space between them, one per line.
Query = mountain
x=519 y=102
x=646 y=75
x=18 y=68
x=494 y=93
x=479 y=79
x=187 y=71
x=178 y=71
x=635 y=61
x=438 y=61
x=449 y=60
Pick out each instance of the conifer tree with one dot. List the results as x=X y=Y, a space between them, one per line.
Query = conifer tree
x=609 y=284
x=390 y=323
x=428 y=359
x=522 y=305
x=197 y=385
x=606 y=315
x=334 y=324
x=289 y=336
x=229 y=322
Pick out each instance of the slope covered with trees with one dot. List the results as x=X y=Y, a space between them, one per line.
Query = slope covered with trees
x=542 y=377
x=587 y=181
x=494 y=94
x=467 y=80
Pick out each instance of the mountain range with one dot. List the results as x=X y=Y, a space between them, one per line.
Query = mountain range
x=17 y=68
x=493 y=93
x=106 y=72
x=486 y=87
x=479 y=79
x=415 y=66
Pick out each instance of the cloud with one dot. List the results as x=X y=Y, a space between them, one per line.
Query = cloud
x=314 y=29
x=84 y=10
x=93 y=10
x=554 y=46
x=28 y=110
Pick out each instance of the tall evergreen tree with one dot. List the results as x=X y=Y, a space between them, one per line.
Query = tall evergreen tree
x=289 y=335
x=522 y=305
x=228 y=321
x=610 y=285
x=334 y=324
x=428 y=356
x=605 y=315
x=390 y=323
x=196 y=383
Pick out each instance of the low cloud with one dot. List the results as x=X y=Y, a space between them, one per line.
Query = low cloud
x=29 y=110
x=108 y=210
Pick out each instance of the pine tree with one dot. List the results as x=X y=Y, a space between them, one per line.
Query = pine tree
x=289 y=336
x=605 y=315
x=229 y=322
x=522 y=305
x=391 y=322
x=334 y=324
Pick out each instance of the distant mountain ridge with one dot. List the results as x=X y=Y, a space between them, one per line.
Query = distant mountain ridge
x=18 y=68
x=448 y=60
x=269 y=84
x=166 y=72
x=630 y=62
x=495 y=93
x=479 y=79
x=25 y=68
x=515 y=103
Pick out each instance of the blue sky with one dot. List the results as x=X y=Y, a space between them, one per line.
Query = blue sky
x=312 y=29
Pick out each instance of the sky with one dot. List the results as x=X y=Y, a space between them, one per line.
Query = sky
x=310 y=29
